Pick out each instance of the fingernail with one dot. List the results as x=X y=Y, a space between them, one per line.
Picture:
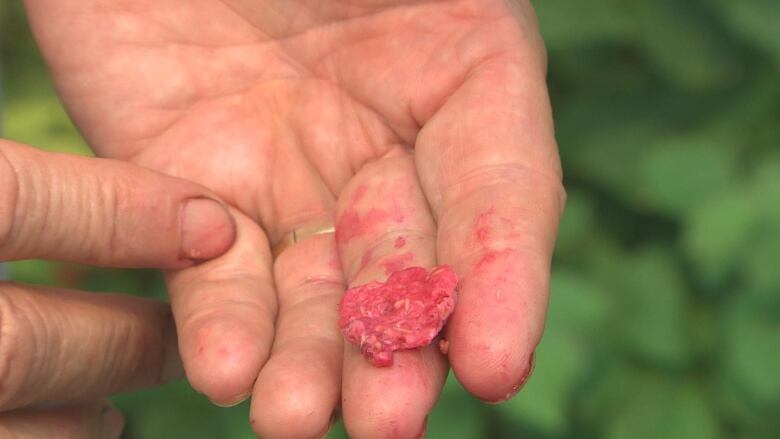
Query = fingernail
x=112 y=423
x=424 y=429
x=233 y=403
x=523 y=380
x=207 y=229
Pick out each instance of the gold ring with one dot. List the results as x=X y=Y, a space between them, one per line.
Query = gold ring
x=302 y=233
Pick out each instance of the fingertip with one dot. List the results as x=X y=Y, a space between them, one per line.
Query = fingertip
x=498 y=323
x=392 y=402
x=207 y=229
x=387 y=419
x=222 y=361
x=490 y=373
x=292 y=402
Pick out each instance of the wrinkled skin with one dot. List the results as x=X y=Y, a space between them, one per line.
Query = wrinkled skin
x=288 y=110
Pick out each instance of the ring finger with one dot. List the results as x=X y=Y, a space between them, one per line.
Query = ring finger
x=297 y=391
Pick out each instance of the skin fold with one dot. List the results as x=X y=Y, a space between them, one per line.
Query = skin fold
x=288 y=110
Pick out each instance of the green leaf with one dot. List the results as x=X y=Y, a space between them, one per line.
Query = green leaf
x=457 y=414
x=652 y=319
x=564 y=23
x=175 y=411
x=665 y=410
x=682 y=172
x=599 y=138
x=756 y=21
x=563 y=358
x=759 y=267
x=577 y=224
x=750 y=354
x=42 y=122
x=626 y=402
x=717 y=233
x=683 y=45
x=338 y=431
x=725 y=232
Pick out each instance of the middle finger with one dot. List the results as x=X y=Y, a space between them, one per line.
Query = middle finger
x=384 y=226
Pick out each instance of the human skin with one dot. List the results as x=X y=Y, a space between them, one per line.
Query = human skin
x=437 y=112
x=62 y=351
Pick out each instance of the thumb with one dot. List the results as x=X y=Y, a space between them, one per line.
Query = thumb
x=104 y=212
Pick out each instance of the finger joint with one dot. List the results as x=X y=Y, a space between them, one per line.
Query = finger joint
x=9 y=196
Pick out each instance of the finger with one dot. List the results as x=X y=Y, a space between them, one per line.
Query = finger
x=58 y=345
x=298 y=389
x=488 y=163
x=384 y=226
x=225 y=311
x=88 y=420
x=104 y=212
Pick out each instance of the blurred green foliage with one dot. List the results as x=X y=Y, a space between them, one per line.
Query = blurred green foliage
x=665 y=314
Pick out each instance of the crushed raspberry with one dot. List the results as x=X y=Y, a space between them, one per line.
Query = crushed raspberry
x=405 y=312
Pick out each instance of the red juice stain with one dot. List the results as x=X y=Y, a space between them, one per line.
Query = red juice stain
x=482 y=226
x=360 y=192
x=400 y=242
x=365 y=260
x=397 y=215
x=444 y=346
x=489 y=258
x=483 y=234
x=398 y=263
x=351 y=225
x=334 y=262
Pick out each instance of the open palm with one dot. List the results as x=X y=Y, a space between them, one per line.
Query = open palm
x=423 y=128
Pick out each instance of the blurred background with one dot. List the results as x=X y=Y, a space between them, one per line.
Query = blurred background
x=665 y=309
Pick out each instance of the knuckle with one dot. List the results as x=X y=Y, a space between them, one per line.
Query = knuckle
x=9 y=195
x=486 y=181
x=311 y=291
x=109 y=201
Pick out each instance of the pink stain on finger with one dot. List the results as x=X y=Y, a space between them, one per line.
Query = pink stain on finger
x=399 y=242
x=489 y=259
x=360 y=192
x=352 y=225
x=365 y=260
x=482 y=226
x=444 y=346
x=398 y=263
x=493 y=267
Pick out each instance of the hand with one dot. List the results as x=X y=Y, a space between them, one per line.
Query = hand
x=423 y=120
x=62 y=351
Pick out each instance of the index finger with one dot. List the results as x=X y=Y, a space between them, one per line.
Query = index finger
x=489 y=166
x=104 y=212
